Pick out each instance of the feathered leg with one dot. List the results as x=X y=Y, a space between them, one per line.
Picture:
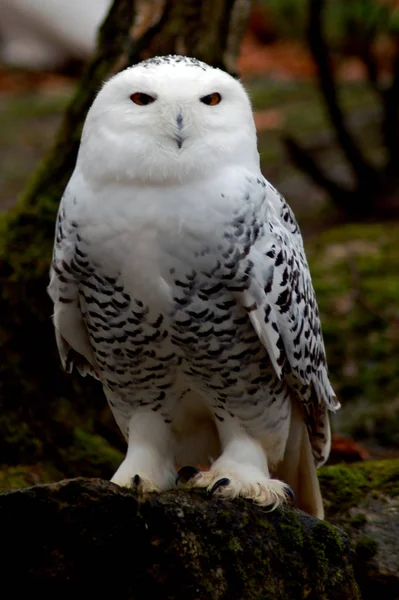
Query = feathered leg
x=149 y=464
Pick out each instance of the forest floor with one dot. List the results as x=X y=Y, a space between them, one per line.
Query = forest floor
x=352 y=265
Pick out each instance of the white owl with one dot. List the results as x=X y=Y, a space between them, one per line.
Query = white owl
x=179 y=280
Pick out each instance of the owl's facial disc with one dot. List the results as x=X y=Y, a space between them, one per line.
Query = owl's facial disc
x=168 y=120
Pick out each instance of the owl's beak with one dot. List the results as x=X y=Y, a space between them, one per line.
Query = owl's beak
x=179 y=141
x=179 y=138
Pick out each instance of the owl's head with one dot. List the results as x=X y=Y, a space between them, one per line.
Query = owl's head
x=168 y=119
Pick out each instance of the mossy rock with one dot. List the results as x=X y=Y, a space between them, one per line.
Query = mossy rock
x=90 y=537
x=346 y=486
x=363 y=500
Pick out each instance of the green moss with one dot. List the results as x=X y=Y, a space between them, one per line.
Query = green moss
x=328 y=545
x=24 y=476
x=90 y=454
x=344 y=486
x=366 y=548
x=292 y=531
x=82 y=453
x=358 y=521
x=234 y=545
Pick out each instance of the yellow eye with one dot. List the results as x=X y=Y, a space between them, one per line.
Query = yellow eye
x=141 y=98
x=211 y=99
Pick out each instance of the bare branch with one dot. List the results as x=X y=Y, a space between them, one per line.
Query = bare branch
x=363 y=170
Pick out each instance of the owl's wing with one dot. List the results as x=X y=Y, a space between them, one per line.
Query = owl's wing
x=70 y=329
x=277 y=292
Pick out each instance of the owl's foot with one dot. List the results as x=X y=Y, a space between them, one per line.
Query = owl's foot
x=137 y=483
x=145 y=471
x=149 y=464
x=227 y=479
x=147 y=481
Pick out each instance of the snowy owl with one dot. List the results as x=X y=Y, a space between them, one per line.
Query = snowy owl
x=179 y=280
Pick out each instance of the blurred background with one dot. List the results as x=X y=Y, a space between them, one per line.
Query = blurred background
x=324 y=81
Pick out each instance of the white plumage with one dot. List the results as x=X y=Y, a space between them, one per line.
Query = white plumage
x=180 y=281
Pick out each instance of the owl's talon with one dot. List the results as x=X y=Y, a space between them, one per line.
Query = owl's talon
x=220 y=483
x=186 y=473
x=136 y=481
x=291 y=495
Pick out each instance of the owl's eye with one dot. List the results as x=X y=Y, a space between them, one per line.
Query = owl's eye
x=141 y=98
x=211 y=99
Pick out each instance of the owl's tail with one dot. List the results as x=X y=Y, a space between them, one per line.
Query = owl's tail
x=298 y=467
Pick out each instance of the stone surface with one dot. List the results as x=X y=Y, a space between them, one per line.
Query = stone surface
x=363 y=500
x=88 y=538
